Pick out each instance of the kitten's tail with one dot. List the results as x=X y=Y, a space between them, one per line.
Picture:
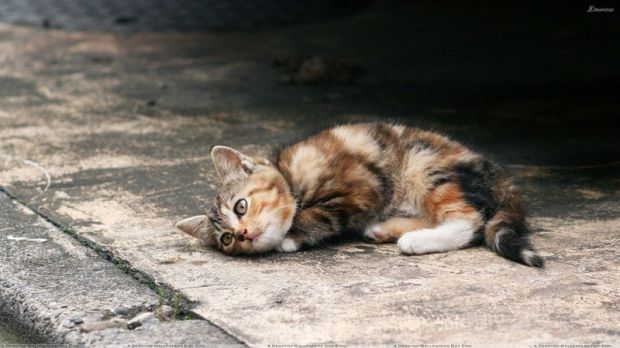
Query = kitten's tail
x=507 y=235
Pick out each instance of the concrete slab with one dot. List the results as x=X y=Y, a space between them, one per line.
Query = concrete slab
x=63 y=292
x=122 y=126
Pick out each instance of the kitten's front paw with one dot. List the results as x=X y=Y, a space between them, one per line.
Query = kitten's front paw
x=288 y=245
x=374 y=233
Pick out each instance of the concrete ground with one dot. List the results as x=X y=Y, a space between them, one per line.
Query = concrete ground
x=59 y=291
x=108 y=137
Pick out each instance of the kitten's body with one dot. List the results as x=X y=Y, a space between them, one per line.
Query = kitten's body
x=384 y=181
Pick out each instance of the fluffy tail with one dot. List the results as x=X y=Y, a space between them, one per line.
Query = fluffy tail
x=507 y=235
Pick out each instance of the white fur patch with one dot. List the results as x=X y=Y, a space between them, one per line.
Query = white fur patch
x=373 y=231
x=407 y=209
x=450 y=235
x=269 y=240
x=309 y=161
x=358 y=141
x=233 y=219
x=399 y=129
x=527 y=256
x=498 y=238
x=418 y=164
x=288 y=246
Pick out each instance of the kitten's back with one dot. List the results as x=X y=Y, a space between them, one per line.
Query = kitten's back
x=349 y=176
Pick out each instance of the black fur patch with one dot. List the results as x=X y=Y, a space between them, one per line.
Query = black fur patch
x=383 y=135
x=476 y=181
x=478 y=238
x=325 y=218
x=512 y=244
x=322 y=199
x=387 y=187
x=440 y=177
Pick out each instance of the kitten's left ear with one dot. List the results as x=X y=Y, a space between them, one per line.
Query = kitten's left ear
x=195 y=226
x=231 y=164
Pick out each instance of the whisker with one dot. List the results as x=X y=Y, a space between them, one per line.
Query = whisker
x=282 y=207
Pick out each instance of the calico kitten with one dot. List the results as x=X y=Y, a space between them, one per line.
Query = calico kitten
x=386 y=182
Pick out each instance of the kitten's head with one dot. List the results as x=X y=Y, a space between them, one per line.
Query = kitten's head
x=252 y=210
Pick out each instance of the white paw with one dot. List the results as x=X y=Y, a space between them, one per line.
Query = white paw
x=450 y=235
x=412 y=243
x=288 y=246
x=373 y=232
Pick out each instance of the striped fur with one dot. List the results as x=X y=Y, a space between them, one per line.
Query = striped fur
x=387 y=182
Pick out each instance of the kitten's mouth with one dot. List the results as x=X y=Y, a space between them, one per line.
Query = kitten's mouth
x=241 y=237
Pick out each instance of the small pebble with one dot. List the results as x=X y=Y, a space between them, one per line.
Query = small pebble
x=76 y=320
x=166 y=311
x=122 y=310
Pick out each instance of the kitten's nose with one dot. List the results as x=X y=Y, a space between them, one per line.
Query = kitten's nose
x=242 y=235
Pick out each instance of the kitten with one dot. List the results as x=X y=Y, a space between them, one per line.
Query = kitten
x=386 y=182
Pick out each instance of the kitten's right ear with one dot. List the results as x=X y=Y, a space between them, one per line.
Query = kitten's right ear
x=195 y=226
x=231 y=164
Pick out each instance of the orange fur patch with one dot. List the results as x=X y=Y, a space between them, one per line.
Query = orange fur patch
x=446 y=201
x=392 y=229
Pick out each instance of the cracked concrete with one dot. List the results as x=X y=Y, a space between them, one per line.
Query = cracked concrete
x=123 y=125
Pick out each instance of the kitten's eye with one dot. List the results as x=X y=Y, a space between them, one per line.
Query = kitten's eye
x=241 y=207
x=226 y=238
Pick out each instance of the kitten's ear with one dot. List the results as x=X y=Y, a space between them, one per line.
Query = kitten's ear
x=230 y=163
x=195 y=226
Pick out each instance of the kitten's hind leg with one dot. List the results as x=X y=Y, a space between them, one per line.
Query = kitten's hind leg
x=390 y=230
x=450 y=235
